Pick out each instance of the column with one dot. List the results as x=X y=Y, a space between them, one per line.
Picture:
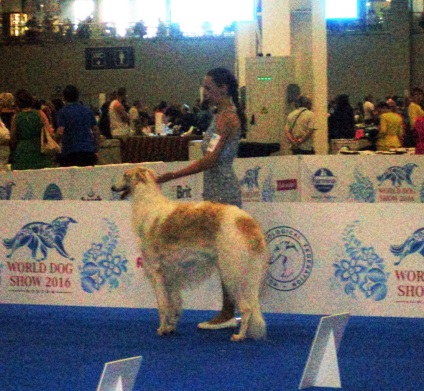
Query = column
x=319 y=71
x=245 y=47
x=276 y=27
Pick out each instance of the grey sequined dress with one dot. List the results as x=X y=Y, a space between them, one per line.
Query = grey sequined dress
x=220 y=183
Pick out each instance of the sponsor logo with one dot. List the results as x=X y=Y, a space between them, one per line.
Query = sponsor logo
x=183 y=192
x=286 y=184
x=291 y=258
x=324 y=180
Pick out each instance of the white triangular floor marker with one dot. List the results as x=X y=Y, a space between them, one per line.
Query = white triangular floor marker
x=328 y=372
x=119 y=386
x=119 y=375
x=322 y=368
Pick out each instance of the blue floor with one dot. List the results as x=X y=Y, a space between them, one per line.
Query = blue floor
x=46 y=348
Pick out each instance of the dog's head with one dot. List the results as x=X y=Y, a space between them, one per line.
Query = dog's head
x=131 y=179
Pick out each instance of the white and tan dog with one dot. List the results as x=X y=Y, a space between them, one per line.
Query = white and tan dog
x=182 y=243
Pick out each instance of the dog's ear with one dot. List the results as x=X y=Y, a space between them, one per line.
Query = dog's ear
x=141 y=175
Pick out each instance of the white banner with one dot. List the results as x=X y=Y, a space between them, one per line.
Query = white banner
x=357 y=178
x=325 y=258
x=330 y=178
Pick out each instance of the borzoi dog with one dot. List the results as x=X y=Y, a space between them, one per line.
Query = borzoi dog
x=182 y=243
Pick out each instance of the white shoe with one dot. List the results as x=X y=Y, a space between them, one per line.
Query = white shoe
x=229 y=324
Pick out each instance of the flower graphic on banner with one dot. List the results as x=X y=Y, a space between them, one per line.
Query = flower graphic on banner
x=268 y=189
x=100 y=265
x=362 y=269
x=362 y=190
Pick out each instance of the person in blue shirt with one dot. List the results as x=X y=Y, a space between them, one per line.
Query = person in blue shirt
x=77 y=127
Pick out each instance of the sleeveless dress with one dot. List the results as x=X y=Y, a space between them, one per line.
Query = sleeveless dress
x=220 y=183
x=27 y=154
x=118 y=127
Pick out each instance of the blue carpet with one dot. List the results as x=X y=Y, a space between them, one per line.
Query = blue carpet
x=47 y=348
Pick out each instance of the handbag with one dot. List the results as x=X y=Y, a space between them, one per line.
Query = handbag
x=4 y=133
x=48 y=145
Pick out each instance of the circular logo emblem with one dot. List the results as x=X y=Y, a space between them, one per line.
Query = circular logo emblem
x=291 y=259
x=324 y=180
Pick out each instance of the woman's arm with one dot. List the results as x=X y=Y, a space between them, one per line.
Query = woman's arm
x=227 y=123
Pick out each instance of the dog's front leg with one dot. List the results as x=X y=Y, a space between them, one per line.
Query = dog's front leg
x=161 y=293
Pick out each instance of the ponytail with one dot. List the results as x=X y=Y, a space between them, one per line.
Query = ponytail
x=223 y=76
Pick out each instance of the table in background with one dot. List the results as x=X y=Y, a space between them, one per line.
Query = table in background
x=139 y=149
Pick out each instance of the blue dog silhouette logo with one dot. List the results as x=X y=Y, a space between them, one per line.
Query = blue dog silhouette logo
x=39 y=237
x=397 y=175
x=251 y=178
x=6 y=190
x=413 y=244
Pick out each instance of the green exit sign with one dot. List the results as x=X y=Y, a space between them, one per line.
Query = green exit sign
x=264 y=78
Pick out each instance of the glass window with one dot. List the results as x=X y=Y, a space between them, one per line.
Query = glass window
x=341 y=9
x=82 y=9
x=193 y=15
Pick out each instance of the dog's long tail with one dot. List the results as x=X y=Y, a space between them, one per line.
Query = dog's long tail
x=257 y=327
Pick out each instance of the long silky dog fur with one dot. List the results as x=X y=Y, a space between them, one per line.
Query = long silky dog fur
x=182 y=244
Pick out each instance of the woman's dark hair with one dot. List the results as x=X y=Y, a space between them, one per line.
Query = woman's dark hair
x=162 y=105
x=71 y=93
x=343 y=100
x=24 y=99
x=223 y=76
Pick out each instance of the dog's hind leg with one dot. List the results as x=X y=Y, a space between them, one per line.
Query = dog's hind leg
x=246 y=313
x=175 y=305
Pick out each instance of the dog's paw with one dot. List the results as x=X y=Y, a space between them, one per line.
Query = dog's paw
x=166 y=330
x=237 y=337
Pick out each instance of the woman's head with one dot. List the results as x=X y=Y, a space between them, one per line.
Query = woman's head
x=220 y=82
x=24 y=99
x=7 y=100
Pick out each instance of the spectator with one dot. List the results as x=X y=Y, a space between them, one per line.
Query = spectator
x=390 y=128
x=300 y=127
x=119 y=118
x=415 y=111
x=79 y=132
x=25 y=134
x=341 y=124
x=368 y=109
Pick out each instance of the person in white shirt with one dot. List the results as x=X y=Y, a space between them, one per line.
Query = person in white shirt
x=300 y=127
x=160 y=119
x=369 y=109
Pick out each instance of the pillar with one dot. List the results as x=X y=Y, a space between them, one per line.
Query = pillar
x=276 y=27
x=319 y=72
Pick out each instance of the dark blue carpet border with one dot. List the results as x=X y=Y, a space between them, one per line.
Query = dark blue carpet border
x=57 y=348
